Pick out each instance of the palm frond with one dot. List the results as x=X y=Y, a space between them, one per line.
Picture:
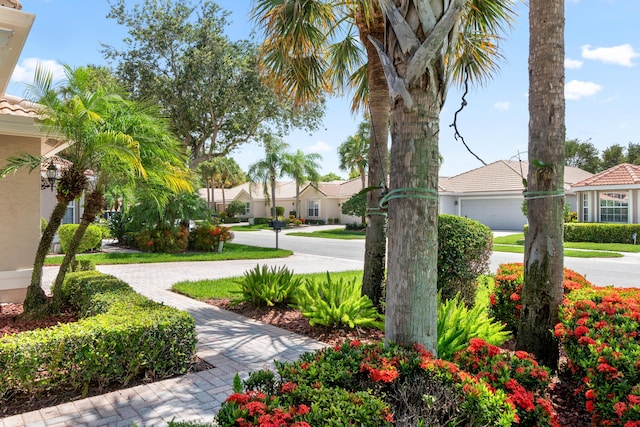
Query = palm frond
x=23 y=160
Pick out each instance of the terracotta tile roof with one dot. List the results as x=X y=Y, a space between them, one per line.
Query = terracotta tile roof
x=13 y=4
x=501 y=176
x=623 y=174
x=12 y=105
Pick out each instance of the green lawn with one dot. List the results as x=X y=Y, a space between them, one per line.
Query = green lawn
x=225 y=288
x=518 y=249
x=336 y=233
x=231 y=251
x=247 y=227
x=585 y=248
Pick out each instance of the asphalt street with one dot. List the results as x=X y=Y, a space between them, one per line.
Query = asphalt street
x=619 y=272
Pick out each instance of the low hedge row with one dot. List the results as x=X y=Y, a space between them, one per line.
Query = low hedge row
x=600 y=233
x=120 y=336
x=92 y=239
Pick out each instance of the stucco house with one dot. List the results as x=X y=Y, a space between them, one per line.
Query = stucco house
x=610 y=196
x=20 y=192
x=492 y=194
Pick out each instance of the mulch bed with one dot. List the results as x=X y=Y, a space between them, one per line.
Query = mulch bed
x=570 y=410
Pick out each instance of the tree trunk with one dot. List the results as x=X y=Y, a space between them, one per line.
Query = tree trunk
x=297 y=200
x=224 y=199
x=93 y=205
x=412 y=273
x=273 y=197
x=544 y=256
x=375 y=247
x=36 y=298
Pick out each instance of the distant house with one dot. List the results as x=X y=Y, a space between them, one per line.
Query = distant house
x=492 y=194
x=610 y=196
x=323 y=202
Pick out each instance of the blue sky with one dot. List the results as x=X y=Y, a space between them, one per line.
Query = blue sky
x=602 y=41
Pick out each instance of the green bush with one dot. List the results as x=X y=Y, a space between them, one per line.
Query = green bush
x=267 y=286
x=43 y=224
x=464 y=250
x=121 y=336
x=600 y=233
x=457 y=325
x=236 y=207
x=261 y=220
x=332 y=303
x=163 y=240
x=206 y=237
x=367 y=385
x=82 y=265
x=92 y=239
x=117 y=226
x=279 y=211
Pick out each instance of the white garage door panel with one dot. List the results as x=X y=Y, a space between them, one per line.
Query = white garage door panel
x=497 y=214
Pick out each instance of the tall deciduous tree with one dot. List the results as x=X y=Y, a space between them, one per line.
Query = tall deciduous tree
x=302 y=168
x=544 y=255
x=612 y=156
x=582 y=154
x=177 y=54
x=422 y=49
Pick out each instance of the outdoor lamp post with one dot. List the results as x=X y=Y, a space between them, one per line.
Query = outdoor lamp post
x=52 y=176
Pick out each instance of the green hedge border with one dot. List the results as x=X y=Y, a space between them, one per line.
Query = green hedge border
x=121 y=335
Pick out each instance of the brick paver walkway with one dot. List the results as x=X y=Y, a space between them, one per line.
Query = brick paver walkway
x=229 y=342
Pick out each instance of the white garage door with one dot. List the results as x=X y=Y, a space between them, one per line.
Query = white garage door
x=497 y=214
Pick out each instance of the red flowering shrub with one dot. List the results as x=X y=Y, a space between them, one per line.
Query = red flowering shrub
x=599 y=332
x=206 y=237
x=505 y=300
x=164 y=240
x=518 y=374
x=357 y=384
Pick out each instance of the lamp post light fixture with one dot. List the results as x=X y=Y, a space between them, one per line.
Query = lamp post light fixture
x=51 y=177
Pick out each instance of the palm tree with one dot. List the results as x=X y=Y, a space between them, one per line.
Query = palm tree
x=313 y=47
x=269 y=168
x=427 y=44
x=208 y=172
x=229 y=173
x=302 y=168
x=543 y=261
x=354 y=152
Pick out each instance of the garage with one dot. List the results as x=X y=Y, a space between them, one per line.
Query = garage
x=497 y=213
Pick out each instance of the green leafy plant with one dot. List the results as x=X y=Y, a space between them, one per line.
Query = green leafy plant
x=91 y=240
x=166 y=240
x=457 y=325
x=206 y=237
x=336 y=302
x=236 y=207
x=267 y=286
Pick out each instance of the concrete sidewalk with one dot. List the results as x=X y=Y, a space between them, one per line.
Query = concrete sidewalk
x=230 y=342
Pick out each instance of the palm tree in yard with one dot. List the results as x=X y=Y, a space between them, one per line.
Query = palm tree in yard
x=318 y=47
x=302 y=168
x=354 y=152
x=267 y=170
x=229 y=172
x=95 y=120
x=426 y=45
x=543 y=261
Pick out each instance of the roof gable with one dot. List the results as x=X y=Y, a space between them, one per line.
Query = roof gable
x=619 y=175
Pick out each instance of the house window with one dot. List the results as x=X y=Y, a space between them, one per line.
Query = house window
x=314 y=208
x=614 y=207
x=247 y=208
x=585 y=207
x=69 y=214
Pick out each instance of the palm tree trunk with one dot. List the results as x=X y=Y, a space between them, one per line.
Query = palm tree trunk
x=93 y=205
x=273 y=197
x=213 y=195
x=297 y=200
x=224 y=200
x=36 y=297
x=375 y=247
x=543 y=260
x=412 y=274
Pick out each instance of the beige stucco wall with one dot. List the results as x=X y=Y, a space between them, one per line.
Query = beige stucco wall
x=19 y=220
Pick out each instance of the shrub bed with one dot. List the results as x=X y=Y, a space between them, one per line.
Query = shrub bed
x=599 y=332
x=600 y=233
x=92 y=239
x=120 y=336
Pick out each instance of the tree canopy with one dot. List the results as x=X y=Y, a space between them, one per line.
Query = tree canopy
x=177 y=54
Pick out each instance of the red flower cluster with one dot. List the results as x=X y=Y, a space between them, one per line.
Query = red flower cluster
x=256 y=412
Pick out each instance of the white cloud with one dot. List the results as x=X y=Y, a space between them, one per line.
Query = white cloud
x=576 y=89
x=618 y=55
x=573 y=64
x=25 y=70
x=320 y=147
x=502 y=106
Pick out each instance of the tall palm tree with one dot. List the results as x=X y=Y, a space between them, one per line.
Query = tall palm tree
x=302 y=168
x=269 y=168
x=354 y=152
x=315 y=47
x=229 y=173
x=426 y=45
x=208 y=171
x=543 y=261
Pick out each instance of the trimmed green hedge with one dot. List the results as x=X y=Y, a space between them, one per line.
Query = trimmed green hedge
x=91 y=240
x=464 y=250
x=121 y=335
x=600 y=233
